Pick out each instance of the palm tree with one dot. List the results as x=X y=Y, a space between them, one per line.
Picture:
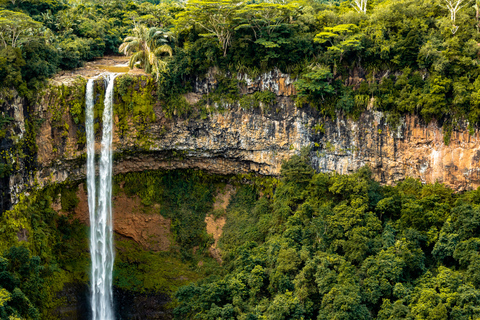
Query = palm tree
x=145 y=46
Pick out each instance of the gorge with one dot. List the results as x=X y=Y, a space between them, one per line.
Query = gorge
x=239 y=160
x=237 y=140
x=229 y=144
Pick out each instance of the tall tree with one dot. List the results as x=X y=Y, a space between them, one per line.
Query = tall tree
x=15 y=27
x=264 y=17
x=145 y=46
x=342 y=38
x=454 y=6
x=214 y=17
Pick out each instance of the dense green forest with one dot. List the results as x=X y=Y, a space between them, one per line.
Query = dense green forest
x=308 y=246
x=414 y=56
x=329 y=246
x=42 y=250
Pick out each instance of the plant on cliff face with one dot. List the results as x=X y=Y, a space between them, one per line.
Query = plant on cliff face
x=145 y=47
x=330 y=246
x=16 y=28
x=265 y=99
x=315 y=86
x=135 y=101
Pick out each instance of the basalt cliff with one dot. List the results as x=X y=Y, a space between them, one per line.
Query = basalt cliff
x=43 y=142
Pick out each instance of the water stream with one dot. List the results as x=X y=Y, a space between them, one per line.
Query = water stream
x=100 y=203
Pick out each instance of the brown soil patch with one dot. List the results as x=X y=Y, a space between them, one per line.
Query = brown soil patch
x=150 y=230
x=118 y=64
x=222 y=199
x=215 y=226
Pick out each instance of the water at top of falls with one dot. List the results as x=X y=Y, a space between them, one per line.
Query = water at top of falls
x=100 y=204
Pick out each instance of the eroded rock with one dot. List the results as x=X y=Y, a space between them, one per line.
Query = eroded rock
x=238 y=141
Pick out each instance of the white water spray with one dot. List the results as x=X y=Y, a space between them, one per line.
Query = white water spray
x=101 y=230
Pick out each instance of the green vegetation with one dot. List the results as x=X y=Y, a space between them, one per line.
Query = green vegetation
x=139 y=270
x=134 y=105
x=310 y=246
x=145 y=47
x=329 y=246
x=411 y=56
x=65 y=103
x=184 y=196
x=40 y=251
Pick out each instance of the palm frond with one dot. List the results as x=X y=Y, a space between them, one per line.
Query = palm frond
x=145 y=46
x=164 y=49
x=122 y=47
x=136 y=57
x=152 y=57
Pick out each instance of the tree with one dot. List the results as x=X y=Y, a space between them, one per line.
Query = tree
x=214 y=17
x=360 y=5
x=145 y=46
x=315 y=85
x=15 y=26
x=454 y=6
x=271 y=26
x=342 y=37
x=264 y=18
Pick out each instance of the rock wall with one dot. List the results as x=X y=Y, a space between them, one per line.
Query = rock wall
x=12 y=131
x=235 y=140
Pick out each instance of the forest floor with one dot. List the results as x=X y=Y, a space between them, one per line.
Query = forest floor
x=117 y=64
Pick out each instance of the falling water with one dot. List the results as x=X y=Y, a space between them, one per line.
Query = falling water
x=101 y=239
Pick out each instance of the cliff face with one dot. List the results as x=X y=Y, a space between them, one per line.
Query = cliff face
x=235 y=140
x=12 y=131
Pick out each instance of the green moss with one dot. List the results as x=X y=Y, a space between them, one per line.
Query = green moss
x=68 y=101
x=263 y=99
x=69 y=199
x=134 y=103
x=140 y=270
x=177 y=105
x=241 y=226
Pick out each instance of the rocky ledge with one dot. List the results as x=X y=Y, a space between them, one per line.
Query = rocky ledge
x=235 y=140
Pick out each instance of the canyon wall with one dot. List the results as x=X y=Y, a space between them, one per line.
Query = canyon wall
x=233 y=140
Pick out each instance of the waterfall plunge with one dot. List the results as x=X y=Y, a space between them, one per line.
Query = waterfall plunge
x=101 y=233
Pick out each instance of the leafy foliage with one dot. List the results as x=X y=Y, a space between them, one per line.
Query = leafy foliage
x=39 y=252
x=404 y=54
x=145 y=47
x=330 y=246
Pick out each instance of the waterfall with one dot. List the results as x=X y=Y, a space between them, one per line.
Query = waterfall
x=101 y=229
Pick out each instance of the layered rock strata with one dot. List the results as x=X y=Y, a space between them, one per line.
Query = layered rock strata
x=235 y=140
